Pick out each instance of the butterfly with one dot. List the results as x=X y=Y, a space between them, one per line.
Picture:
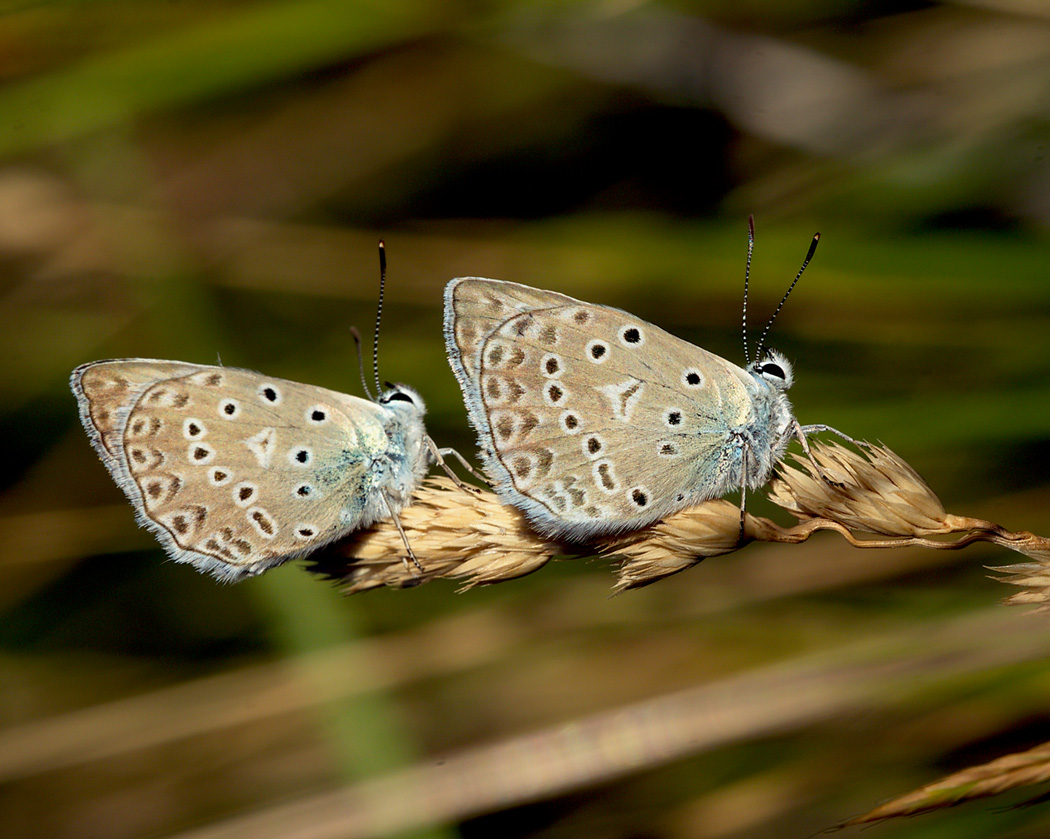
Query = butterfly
x=236 y=472
x=594 y=422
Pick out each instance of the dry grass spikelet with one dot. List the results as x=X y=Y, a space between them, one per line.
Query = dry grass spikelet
x=873 y=490
x=454 y=533
x=1005 y=773
x=471 y=536
x=682 y=540
x=1033 y=578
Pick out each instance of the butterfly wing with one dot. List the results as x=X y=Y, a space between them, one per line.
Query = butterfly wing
x=589 y=419
x=233 y=471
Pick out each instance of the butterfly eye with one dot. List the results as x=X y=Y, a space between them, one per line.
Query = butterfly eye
x=401 y=393
x=772 y=369
x=396 y=394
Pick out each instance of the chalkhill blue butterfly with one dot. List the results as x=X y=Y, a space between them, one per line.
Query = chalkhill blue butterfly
x=236 y=472
x=594 y=422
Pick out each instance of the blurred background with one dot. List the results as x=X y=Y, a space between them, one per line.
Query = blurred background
x=208 y=180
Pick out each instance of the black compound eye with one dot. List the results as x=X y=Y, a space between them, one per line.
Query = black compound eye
x=399 y=396
x=771 y=368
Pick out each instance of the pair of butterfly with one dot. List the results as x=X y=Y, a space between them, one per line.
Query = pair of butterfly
x=589 y=420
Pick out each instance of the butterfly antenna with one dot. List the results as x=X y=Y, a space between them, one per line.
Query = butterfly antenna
x=747 y=275
x=783 y=300
x=361 y=363
x=379 y=313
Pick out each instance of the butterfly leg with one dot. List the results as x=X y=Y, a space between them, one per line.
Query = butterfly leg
x=743 y=491
x=800 y=431
x=404 y=537
x=439 y=456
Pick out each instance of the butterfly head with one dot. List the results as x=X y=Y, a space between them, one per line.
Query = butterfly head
x=773 y=369
x=405 y=428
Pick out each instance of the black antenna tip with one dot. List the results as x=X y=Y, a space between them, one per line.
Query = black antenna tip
x=382 y=255
x=783 y=300
x=813 y=247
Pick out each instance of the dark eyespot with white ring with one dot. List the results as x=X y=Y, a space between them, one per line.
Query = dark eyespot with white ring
x=554 y=394
x=270 y=393
x=593 y=446
x=264 y=524
x=632 y=336
x=597 y=351
x=317 y=414
x=692 y=378
x=229 y=408
x=193 y=429
x=245 y=493
x=201 y=454
x=667 y=448
x=300 y=456
x=570 y=422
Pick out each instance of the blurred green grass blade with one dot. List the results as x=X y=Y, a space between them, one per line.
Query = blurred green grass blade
x=365 y=733
x=260 y=44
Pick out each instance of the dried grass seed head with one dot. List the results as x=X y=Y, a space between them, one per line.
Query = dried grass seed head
x=874 y=490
